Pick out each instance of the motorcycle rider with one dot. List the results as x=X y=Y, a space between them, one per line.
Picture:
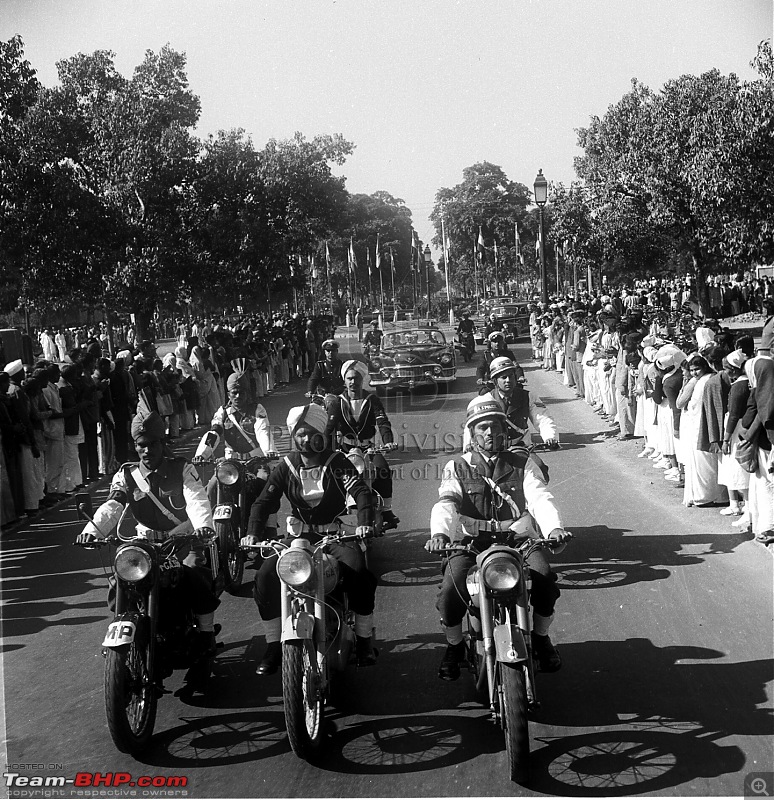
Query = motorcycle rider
x=496 y=348
x=465 y=333
x=353 y=420
x=520 y=405
x=373 y=339
x=316 y=481
x=326 y=374
x=164 y=494
x=246 y=434
x=485 y=487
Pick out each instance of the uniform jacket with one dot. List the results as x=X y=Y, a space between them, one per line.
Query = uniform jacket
x=363 y=428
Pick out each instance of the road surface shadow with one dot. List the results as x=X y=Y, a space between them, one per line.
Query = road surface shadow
x=627 y=762
x=411 y=743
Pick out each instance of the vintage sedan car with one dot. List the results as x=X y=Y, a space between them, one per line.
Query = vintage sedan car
x=413 y=357
x=515 y=316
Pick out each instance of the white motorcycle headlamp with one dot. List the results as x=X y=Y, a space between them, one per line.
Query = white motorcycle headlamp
x=295 y=566
x=227 y=473
x=132 y=564
x=500 y=574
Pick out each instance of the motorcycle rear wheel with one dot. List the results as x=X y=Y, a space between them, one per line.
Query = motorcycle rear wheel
x=232 y=559
x=130 y=697
x=514 y=721
x=304 y=705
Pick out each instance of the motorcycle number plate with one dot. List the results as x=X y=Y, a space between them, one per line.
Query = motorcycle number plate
x=222 y=512
x=119 y=632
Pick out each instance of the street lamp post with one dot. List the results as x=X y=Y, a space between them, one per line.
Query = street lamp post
x=428 y=261
x=541 y=195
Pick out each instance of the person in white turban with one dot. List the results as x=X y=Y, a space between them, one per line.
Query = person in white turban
x=316 y=480
x=354 y=419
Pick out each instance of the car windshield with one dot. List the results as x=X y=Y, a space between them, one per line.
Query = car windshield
x=507 y=311
x=413 y=338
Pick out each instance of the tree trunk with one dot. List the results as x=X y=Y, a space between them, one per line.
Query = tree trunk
x=141 y=320
x=701 y=289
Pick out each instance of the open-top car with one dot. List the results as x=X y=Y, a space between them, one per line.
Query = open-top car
x=413 y=357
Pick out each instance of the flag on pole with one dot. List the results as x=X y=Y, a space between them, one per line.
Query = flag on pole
x=378 y=253
x=313 y=266
x=537 y=244
x=292 y=267
x=352 y=260
x=369 y=263
x=481 y=247
x=327 y=259
x=300 y=265
x=495 y=251
x=416 y=253
x=518 y=240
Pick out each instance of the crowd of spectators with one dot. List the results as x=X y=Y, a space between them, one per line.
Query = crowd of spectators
x=65 y=418
x=700 y=398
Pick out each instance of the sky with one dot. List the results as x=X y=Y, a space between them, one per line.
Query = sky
x=422 y=88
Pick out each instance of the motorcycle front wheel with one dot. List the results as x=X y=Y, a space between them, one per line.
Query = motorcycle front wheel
x=304 y=704
x=232 y=560
x=514 y=721
x=130 y=697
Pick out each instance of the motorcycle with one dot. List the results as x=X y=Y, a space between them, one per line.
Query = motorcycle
x=498 y=639
x=360 y=457
x=230 y=515
x=153 y=631
x=318 y=635
x=467 y=344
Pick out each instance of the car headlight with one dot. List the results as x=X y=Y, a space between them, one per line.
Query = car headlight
x=295 y=567
x=132 y=564
x=227 y=472
x=500 y=574
x=446 y=359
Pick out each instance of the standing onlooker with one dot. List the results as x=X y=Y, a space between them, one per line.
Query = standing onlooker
x=30 y=466
x=72 y=477
x=61 y=344
x=54 y=432
x=48 y=344
x=730 y=472
x=359 y=324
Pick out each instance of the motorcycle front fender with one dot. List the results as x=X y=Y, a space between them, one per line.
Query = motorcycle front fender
x=124 y=629
x=298 y=626
x=510 y=645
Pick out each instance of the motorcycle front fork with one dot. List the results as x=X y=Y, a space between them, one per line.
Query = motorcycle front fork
x=487 y=622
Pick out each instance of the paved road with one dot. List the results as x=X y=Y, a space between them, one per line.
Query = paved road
x=665 y=627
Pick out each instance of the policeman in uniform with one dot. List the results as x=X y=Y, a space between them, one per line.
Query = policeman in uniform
x=326 y=374
x=487 y=486
x=166 y=497
x=519 y=404
x=496 y=348
x=373 y=339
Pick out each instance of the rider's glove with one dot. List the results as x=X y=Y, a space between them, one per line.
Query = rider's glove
x=550 y=442
x=202 y=454
x=249 y=541
x=561 y=536
x=391 y=446
x=437 y=543
x=272 y=454
x=86 y=537
x=204 y=533
x=366 y=531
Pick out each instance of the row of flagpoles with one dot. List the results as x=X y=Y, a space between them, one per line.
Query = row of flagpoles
x=353 y=293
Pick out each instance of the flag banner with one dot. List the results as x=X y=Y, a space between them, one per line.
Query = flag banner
x=518 y=240
x=495 y=250
x=291 y=262
x=352 y=259
x=415 y=251
x=369 y=263
x=481 y=247
x=378 y=253
x=327 y=259
x=313 y=267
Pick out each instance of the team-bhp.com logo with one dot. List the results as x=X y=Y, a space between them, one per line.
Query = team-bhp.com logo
x=94 y=784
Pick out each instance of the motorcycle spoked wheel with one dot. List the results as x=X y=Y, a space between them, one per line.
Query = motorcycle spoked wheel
x=513 y=716
x=232 y=559
x=304 y=704
x=130 y=697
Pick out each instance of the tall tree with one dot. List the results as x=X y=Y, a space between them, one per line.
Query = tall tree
x=485 y=199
